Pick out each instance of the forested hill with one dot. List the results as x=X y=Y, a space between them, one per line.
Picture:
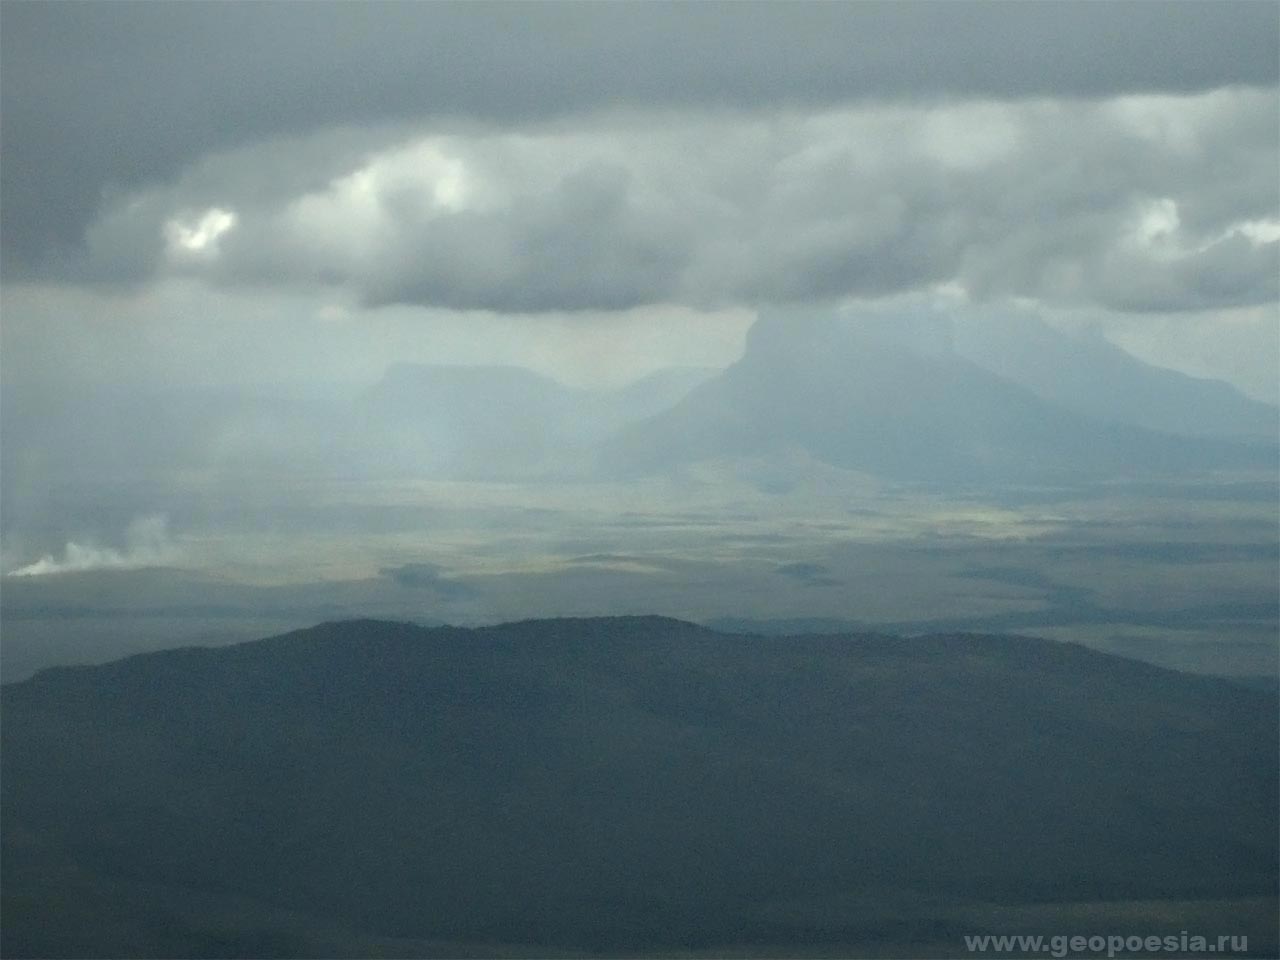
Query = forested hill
x=630 y=784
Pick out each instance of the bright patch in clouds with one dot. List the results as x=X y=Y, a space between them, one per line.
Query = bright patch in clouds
x=347 y=224
x=1260 y=231
x=1158 y=221
x=198 y=239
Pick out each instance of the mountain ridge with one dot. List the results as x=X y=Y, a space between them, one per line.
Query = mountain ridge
x=1088 y=374
x=895 y=399
x=342 y=630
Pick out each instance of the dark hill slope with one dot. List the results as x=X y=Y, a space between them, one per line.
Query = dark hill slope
x=612 y=784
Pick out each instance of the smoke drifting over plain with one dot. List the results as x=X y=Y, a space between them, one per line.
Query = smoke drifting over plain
x=147 y=544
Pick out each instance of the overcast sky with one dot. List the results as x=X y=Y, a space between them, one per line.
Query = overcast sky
x=234 y=192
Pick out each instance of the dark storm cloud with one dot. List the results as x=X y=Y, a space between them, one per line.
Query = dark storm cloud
x=1120 y=203
x=102 y=99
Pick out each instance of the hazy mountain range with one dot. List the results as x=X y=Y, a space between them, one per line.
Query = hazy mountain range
x=623 y=784
x=898 y=398
x=1086 y=373
x=991 y=399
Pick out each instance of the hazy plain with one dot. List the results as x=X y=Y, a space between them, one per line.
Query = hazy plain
x=1181 y=574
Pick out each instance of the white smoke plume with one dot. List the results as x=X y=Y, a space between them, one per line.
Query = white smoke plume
x=147 y=544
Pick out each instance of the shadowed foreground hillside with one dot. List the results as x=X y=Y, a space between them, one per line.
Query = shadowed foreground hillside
x=627 y=785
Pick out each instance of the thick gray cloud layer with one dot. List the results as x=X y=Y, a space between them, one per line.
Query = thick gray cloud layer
x=1140 y=203
x=102 y=99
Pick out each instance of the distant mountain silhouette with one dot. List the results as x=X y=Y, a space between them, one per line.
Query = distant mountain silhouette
x=896 y=400
x=615 y=785
x=1089 y=375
